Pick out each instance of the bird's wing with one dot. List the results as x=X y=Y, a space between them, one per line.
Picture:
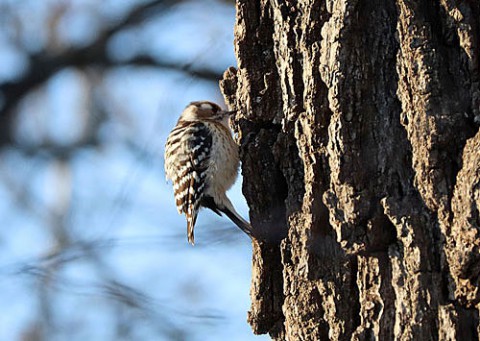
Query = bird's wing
x=187 y=158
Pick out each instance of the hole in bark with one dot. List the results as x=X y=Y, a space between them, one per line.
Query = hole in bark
x=467 y=324
x=355 y=294
x=265 y=187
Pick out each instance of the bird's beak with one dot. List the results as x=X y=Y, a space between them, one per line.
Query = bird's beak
x=229 y=113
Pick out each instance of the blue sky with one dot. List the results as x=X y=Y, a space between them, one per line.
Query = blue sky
x=85 y=232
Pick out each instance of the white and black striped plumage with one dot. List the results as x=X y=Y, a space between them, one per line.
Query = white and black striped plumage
x=201 y=158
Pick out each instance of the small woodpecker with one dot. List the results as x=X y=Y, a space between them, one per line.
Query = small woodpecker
x=201 y=158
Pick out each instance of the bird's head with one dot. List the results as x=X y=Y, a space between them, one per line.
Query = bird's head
x=205 y=110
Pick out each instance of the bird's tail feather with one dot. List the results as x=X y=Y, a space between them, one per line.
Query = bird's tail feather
x=230 y=212
x=238 y=220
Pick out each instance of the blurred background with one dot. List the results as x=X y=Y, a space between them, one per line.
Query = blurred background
x=91 y=245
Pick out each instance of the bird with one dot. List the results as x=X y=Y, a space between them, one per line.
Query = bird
x=202 y=160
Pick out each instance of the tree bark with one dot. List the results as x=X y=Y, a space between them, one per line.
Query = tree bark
x=358 y=124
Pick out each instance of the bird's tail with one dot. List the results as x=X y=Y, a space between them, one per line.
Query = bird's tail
x=238 y=220
x=231 y=213
x=226 y=207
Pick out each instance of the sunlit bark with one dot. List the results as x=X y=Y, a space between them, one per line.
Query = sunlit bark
x=358 y=124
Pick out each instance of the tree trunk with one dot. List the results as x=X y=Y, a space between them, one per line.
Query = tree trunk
x=358 y=122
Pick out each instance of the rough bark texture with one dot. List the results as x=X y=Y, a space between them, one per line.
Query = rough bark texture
x=358 y=122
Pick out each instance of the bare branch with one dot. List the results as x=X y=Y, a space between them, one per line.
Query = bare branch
x=197 y=72
x=43 y=66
